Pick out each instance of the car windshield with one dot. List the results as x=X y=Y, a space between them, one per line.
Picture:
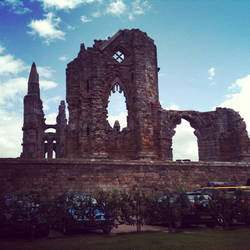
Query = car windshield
x=82 y=198
x=197 y=197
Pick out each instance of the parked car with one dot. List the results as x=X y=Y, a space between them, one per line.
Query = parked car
x=82 y=212
x=21 y=215
x=198 y=211
x=187 y=208
x=230 y=204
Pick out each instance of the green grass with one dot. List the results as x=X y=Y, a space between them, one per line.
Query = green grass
x=237 y=239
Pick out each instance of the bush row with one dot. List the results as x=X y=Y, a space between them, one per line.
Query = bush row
x=36 y=208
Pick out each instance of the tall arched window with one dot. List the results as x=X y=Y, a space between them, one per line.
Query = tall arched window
x=185 y=142
x=117 y=109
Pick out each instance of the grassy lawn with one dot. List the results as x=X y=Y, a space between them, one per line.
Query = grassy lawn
x=237 y=239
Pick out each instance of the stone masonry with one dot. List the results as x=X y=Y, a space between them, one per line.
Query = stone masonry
x=86 y=176
x=125 y=62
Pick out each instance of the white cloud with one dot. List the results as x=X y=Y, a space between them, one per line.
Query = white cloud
x=85 y=19
x=63 y=58
x=45 y=84
x=45 y=72
x=51 y=118
x=1 y=49
x=10 y=134
x=185 y=142
x=46 y=102
x=211 y=73
x=96 y=14
x=122 y=118
x=173 y=107
x=139 y=8
x=47 y=28
x=12 y=88
x=116 y=8
x=16 y=6
x=10 y=65
x=69 y=27
x=239 y=101
x=64 y=4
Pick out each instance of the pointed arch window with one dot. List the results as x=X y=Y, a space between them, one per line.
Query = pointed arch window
x=117 y=108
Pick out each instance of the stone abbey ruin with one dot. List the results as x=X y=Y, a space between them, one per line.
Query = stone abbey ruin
x=125 y=62
x=90 y=154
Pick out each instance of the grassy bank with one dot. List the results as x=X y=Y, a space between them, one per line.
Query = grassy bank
x=237 y=239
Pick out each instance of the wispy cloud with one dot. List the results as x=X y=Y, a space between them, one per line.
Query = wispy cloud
x=70 y=27
x=96 y=14
x=211 y=73
x=62 y=58
x=10 y=133
x=12 y=88
x=1 y=49
x=139 y=8
x=54 y=100
x=45 y=72
x=47 y=28
x=173 y=107
x=130 y=9
x=10 y=65
x=85 y=19
x=65 y=4
x=15 y=6
x=15 y=88
x=45 y=84
x=116 y=8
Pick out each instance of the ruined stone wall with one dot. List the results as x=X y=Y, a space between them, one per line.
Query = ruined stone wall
x=221 y=134
x=126 y=62
x=61 y=175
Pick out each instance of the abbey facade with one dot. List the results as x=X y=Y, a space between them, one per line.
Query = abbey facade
x=125 y=62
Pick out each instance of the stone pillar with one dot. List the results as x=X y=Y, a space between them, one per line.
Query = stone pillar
x=33 y=122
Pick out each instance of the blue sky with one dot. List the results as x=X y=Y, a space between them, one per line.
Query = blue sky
x=203 y=52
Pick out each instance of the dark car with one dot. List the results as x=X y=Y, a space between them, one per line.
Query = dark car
x=184 y=209
x=83 y=212
x=198 y=210
x=20 y=215
x=230 y=204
